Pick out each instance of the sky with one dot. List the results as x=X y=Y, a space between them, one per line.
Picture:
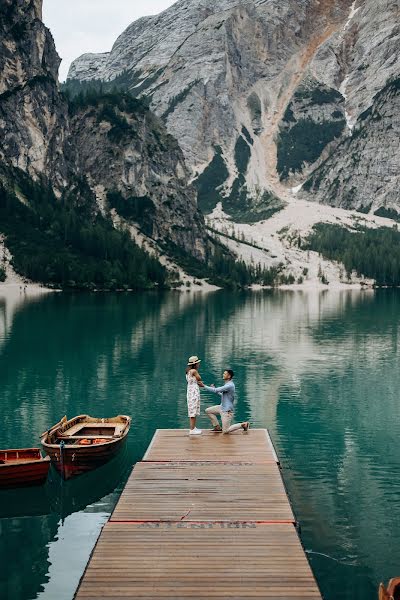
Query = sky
x=80 y=26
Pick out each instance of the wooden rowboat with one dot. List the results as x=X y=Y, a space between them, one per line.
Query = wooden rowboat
x=392 y=592
x=23 y=467
x=84 y=443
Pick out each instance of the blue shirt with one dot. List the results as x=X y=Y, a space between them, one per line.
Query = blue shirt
x=227 y=393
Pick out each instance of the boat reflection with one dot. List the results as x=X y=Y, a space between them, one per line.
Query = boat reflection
x=63 y=498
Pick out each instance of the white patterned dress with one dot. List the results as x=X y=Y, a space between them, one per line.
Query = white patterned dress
x=193 y=396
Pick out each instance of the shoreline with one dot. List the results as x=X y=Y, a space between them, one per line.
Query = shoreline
x=27 y=288
x=35 y=289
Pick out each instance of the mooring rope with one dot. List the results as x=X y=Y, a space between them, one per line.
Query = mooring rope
x=342 y=562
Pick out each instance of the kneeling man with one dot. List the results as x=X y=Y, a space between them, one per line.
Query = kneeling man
x=225 y=409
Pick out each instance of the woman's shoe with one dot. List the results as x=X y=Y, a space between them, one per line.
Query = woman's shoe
x=217 y=429
x=195 y=431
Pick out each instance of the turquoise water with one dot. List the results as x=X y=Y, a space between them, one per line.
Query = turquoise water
x=319 y=369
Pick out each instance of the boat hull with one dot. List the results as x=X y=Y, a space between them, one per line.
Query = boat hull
x=24 y=473
x=74 y=461
x=392 y=592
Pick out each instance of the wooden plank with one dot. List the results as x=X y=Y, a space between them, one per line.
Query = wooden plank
x=182 y=561
x=204 y=491
x=176 y=444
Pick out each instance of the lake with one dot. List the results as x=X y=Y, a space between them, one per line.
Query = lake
x=319 y=369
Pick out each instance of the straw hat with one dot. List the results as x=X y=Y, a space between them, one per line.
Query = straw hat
x=193 y=360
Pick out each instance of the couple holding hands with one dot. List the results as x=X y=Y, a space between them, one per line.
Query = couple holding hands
x=224 y=410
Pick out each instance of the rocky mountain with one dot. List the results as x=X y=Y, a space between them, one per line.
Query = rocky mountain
x=95 y=154
x=263 y=95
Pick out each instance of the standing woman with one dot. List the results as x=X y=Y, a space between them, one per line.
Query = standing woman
x=193 y=392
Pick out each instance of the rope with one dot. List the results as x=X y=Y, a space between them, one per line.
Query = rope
x=342 y=562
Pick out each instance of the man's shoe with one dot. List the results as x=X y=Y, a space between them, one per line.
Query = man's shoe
x=195 y=431
x=246 y=426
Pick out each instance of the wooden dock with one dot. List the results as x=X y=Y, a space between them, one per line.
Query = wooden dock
x=202 y=517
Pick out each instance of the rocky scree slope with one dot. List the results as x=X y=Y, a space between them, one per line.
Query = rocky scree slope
x=99 y=154
x=260 y=93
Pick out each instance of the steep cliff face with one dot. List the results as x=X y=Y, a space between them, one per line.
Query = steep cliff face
x=362 y=62
x=363 y=172
x=257 y=93
x=363 y=56
x=136 y=167
x=107 y=154
x=33 y=119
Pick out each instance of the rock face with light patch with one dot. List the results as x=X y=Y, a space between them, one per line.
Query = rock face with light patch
x=363 y=172
x=362 y=56
x=362 y=61
x=223 y=75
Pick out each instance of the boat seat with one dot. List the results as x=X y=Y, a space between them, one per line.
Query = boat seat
x=74 y=429
x=88 y=437
x=79 y=426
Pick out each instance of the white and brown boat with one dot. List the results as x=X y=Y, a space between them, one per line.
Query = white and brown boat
x=84 y=443
x=23 y=467
x=392 y=592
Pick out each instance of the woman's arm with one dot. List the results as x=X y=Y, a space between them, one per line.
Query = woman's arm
x=198 y=377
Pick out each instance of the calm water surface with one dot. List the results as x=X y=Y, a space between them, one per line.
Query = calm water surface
x=320 y=370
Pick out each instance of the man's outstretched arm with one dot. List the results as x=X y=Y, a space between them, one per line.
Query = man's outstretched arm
x=217 y=390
